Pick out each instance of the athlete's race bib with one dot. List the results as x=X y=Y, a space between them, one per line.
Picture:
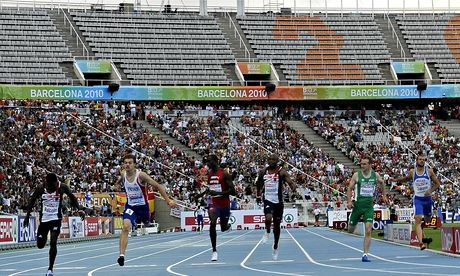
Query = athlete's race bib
x=367 y=190
x=215 y=187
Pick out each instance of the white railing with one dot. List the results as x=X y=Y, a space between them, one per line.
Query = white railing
x=256 y=6
x=71 y=28
x=395 y=35
x=77 y=82
x=247 y=53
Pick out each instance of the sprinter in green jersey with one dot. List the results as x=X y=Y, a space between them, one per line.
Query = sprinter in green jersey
x=364 y=182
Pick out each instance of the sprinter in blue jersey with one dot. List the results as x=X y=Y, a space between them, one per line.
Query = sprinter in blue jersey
x=136 y=184
x=424 y=183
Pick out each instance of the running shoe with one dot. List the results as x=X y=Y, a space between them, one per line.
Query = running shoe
x=121 y=260
x=422 y=246
x=214 y=256
x=365 y=258
x=265 y=237
x=275 y=254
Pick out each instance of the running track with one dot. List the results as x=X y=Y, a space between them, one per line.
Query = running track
x=307 y=251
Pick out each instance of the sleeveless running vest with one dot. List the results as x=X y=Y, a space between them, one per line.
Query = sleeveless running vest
x=421 y=183
x=135 y=193
x=273 y=186
x=216 y=183
x=51 y=205
x=365 y=187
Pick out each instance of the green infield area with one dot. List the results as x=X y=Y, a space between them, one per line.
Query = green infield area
x=435 y=234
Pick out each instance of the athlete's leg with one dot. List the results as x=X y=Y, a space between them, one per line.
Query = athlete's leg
x=224 y=216
x=367 y=237
x=353 y=221
x=268 y=211
x=418 y=230
x=42 y=235
x=268 y=222
x=127 y=227
x=212 y=228
x=53 y=248
x=276 y=231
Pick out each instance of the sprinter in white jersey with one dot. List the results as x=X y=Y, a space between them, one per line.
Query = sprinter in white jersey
x=270 y=184
x=424 y=183
x=135 y=185
x=50 y=200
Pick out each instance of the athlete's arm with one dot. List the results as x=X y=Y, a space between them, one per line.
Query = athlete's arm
x=230 y=187
x=381 y=183
x=436 y=182
x=145 y=178
x=260 y=183
x=288 y=180
x=404 y=178
x=119 y=182
x=73 y=201
x=32 y=200
x=350 y=189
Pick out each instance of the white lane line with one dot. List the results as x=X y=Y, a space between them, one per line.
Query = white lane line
x=7 y=269
x=169 y=269
x=415 y=256
x=69 y=268
x=243 y=264
x=278 y=261
x=136 y=266
x=381 y=258
x=345 y=259
x=386 y=271
x=213 y=263
x=87 y=258
x=75 y=251
x=143 y=256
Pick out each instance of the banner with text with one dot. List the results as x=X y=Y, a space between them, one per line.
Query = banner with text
x=8 y=229
x=230 y=93
x=409 y=67
x=254 y=68
x=94 y=66
x=450 y=239
x=76 y=227
x=241 y=219
x=27 y=234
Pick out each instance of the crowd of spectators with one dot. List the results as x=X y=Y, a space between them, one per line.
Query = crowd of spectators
x=42 y=135
x=401 y=135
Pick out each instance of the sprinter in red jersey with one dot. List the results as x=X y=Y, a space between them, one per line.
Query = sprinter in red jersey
x=220 y=188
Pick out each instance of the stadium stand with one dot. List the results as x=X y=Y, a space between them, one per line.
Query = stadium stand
x=171 y=49
x=31 y=48
x=415 y=132
x=434 y=38
x=329 y=49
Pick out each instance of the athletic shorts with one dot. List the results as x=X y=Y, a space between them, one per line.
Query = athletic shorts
x=44 y=228
x=423 y=205
x=199 y=219
x=138 y=211
x=362 y=208
x=221 y=212
x=276 y=209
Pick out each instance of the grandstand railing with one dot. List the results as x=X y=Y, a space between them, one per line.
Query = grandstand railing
x=394 y=35
x=93 y=82
x=247 y=54
x=256 y=6
x=79 y=40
